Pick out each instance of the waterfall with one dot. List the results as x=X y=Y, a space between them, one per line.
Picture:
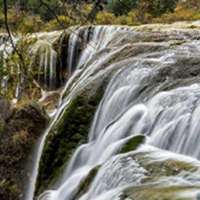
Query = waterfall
x=47 y=62
x=92 y=46
x=146 y=95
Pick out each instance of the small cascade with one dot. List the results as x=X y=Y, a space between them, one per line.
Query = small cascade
x=118 y=172
x=55 y=56
x=76 y=48
x=47 y=61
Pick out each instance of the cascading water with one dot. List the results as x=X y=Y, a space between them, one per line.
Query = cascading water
x=149 y=94
x=47 y=62
x=72 y=45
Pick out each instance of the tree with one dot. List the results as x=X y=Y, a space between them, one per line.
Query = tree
x=191 y=4
x=121 y=7
x=156 y=7
x=160 y=7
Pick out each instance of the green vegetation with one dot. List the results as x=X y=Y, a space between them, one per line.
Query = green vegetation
x=23 y=61
x=19 y=128
x=70 y=131
x=32 y=15
x=133 y=143
x=121 y=7
x=86 y=182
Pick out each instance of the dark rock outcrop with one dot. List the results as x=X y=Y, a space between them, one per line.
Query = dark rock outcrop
x=70 y=131
x=5 y=109
x=19 y=131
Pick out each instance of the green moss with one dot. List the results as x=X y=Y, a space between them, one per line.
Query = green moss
x=85 y=184
x=133 y=143
x=70 y=131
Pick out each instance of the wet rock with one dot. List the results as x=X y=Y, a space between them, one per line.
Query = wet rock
x=169 y=176
x=133 y=143
x=50 y=100
x=86 y=183
x=70 y=131
x=31 y=117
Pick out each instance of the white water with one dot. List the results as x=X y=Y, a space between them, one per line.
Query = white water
x=139 y=118
x=63 y=105
x=47 y=62
x=169 y=118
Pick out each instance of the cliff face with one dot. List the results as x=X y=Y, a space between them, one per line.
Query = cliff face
x=20 y=128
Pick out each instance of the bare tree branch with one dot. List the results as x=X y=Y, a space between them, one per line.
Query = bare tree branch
x=60 y=22
x=5 y=4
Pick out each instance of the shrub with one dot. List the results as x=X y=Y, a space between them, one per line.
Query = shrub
x=61 y=22
x=105 y=18
x=30 y=24
x=131 y=18
x=158 y=7
x=180 y=14
x=121 y=7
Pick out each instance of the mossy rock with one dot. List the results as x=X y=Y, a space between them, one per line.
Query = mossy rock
x=18 y=136
x=85 y=183
x=133 y=143
x=69 y=132
x=167 y=177
x=31 y=116
x=155 y=192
